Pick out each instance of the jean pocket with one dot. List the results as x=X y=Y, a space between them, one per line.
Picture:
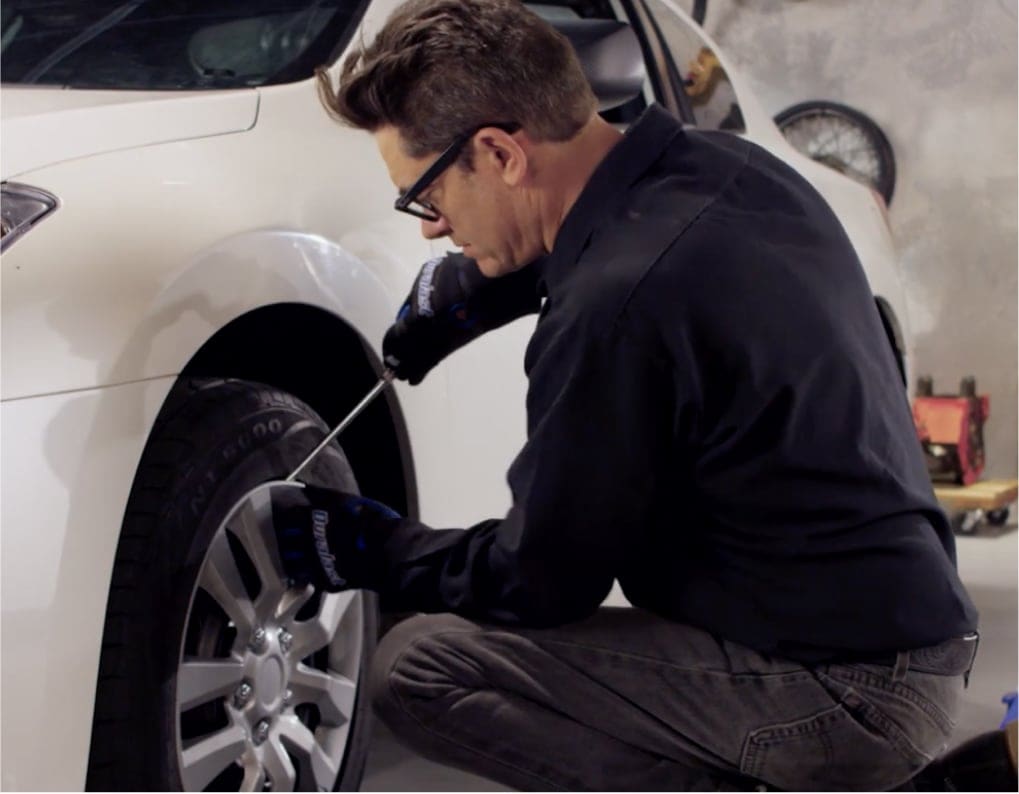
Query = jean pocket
x=923 y=706
x=832 y=750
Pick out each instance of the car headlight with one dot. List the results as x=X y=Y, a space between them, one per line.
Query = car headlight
x=21 y=207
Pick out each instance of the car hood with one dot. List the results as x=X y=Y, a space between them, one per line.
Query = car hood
x=44 y=126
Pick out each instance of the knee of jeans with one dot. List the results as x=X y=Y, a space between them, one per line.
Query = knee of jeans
x=416 y=664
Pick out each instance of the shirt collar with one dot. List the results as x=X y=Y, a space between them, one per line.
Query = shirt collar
x=642 y=145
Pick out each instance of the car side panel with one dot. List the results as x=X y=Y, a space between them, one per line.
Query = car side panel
x=68 y=462
x=105 y=121
x=132 y=223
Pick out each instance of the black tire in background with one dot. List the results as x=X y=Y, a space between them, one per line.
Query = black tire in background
x=213 y=442
x=842 y=138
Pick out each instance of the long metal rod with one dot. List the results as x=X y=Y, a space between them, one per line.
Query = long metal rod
x=385 y=380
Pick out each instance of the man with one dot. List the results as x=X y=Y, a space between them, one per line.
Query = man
x=715 y=420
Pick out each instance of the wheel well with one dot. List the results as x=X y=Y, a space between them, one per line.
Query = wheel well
x=894 y=333
x=315 y=356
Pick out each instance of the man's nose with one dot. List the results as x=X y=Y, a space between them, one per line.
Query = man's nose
x=432 y=230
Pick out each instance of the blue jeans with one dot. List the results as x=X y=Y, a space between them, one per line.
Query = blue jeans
x=627 y=700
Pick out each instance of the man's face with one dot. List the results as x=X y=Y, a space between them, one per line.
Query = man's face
x=475 y=207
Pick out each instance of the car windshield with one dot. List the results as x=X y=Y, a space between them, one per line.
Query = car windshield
x=170 y=44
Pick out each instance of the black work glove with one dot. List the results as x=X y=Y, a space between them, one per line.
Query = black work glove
x=330 y=539
x=450 y=304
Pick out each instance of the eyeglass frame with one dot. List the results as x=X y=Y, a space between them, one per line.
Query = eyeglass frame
x=442 y=162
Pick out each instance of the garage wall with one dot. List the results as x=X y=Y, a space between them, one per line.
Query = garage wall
x=939 y=76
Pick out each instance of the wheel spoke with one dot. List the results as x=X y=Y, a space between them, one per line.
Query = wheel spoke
x=292 y=602
x=859 y=175
x=254 y=778
x=310 y=635
x=318 y=769
x=833 y=136
x=278 y=766
x=333 y=694
x=202 y=680
x=207 y=757
x=221 y=579
x=253 y=526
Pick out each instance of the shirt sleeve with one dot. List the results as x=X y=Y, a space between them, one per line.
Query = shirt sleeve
x=598 y=419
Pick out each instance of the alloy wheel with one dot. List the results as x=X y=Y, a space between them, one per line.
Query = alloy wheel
x=267 y=681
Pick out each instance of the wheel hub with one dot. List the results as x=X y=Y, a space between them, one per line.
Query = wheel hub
x=268 y=669
x=269 y=681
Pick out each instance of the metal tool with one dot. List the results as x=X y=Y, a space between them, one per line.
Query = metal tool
x=377 y=389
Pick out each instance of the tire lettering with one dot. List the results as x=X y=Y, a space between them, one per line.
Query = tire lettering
x=261 y=429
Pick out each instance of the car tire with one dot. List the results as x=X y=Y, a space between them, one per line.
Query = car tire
x=183 y=664
x=807 y=127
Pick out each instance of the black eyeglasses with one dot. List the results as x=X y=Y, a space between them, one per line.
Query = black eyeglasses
x=410 y=203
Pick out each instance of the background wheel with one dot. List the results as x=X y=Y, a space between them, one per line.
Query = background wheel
x=214 y=674
x=844 y=139
x=967 y=522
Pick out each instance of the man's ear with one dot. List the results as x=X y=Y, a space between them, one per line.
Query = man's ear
x=503 y=153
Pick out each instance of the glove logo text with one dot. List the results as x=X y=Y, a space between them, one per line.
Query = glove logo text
x=319 y=522
x=424 y=287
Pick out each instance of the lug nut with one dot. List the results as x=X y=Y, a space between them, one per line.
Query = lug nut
x=242 y=694
x=261 y=732
x=287 y=697
x=286 y=640
x=258 y=639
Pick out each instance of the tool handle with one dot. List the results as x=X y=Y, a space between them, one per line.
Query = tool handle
x=385 y=380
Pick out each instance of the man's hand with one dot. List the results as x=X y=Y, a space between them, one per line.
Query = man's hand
x=330 y=539
x=451 y=303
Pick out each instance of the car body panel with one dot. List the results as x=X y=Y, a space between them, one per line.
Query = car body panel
x=170 y=215
x=35 y=121
x=68 y=462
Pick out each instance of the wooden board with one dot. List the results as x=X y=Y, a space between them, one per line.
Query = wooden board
x=983 y=495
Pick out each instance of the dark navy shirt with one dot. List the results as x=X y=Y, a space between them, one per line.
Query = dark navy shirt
x=715 y=418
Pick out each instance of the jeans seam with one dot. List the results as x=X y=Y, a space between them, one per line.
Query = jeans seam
x=803 y=672
x=748 y=763
x=893 y=734
x=760 y=740
x=408 y=713
x=864 y=711
x=770 y=734
x=719 y=765
x=899 y=689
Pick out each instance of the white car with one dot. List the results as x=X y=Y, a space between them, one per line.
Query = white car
x=198 y=268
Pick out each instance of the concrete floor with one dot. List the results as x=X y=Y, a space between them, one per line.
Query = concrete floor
x=987 y=562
